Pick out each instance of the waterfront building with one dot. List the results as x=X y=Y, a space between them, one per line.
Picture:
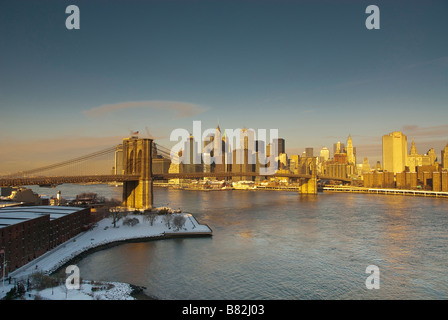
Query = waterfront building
x=394 y=152
x=377 y=179
x=337 y=170
x=444 y=181
x=28 y=232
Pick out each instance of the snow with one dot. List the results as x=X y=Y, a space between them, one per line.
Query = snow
x=101 y=291
x=103 y=233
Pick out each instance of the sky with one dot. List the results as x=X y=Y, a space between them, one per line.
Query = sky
x=310 y=69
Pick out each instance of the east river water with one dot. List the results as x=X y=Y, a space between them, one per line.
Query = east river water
x=280 y=245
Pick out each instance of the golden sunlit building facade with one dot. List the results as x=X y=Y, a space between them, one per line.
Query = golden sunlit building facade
x=395 y=147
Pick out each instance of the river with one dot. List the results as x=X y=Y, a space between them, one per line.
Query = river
x=280 y=245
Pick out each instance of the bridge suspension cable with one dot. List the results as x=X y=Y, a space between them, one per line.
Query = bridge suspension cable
x=66 y=163
x=165 y=152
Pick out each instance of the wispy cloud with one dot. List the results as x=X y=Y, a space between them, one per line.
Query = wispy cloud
x=412 y=130
x=181 y=109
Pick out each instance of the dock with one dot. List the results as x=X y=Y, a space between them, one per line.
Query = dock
x=403 y=192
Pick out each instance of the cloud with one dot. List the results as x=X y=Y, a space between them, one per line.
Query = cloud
x=181 y=109
x=415 y=131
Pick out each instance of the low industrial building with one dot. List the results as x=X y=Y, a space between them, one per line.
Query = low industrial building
x=26 y=232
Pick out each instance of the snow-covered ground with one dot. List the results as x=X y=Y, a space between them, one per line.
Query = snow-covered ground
x=103 y=233
x=87 y=291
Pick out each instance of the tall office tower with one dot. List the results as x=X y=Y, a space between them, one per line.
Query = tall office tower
x=207 y=153
x=191 y=156
x=247 y=140
x=280 y=144
x=445 y=157
x=219 y=151
x=243 y=157
x=351 y=158
x=217 y=145
x=309 y=152
x=260 y=146
x=395 y=146
x=324 y=154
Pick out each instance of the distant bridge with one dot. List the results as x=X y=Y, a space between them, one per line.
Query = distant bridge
x=138 y=176
x=40 y=181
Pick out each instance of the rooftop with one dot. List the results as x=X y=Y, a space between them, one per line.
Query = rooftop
x=14 y=215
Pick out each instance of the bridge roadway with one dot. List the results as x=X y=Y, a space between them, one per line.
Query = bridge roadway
x=15 y=182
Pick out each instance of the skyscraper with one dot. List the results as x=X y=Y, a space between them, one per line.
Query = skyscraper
x=280 y=144
x=338 y=148
x=445 y=157
x=309 y=152
x=324 y=154
x=395 y=146
x=351 y=156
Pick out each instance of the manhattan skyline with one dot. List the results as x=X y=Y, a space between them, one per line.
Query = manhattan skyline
x=309 y=68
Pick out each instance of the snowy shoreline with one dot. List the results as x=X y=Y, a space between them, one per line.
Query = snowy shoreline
x=102 y=236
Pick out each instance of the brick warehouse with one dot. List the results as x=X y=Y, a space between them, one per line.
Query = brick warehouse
x=28 y=232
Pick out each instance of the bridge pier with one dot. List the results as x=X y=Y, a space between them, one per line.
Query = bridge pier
x=309 y=186
x=137 y=159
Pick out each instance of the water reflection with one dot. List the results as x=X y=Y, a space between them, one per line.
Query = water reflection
x=279 y=245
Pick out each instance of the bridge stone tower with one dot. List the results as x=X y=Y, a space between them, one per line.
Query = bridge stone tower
x=137 y=159
x=309 y=186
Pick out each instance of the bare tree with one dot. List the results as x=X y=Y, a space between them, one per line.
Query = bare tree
x=179 y=221
x=151 y=217
x=167 y=218
x=117 y=213
x=130 y=221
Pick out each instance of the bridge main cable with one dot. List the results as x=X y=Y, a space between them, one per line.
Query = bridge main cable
x=63 y=163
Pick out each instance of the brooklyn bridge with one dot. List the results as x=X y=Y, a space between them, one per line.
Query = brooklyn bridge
x=138 y=157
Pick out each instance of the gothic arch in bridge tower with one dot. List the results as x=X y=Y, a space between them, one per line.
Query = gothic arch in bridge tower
x=138 y=165
x=130 y=163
